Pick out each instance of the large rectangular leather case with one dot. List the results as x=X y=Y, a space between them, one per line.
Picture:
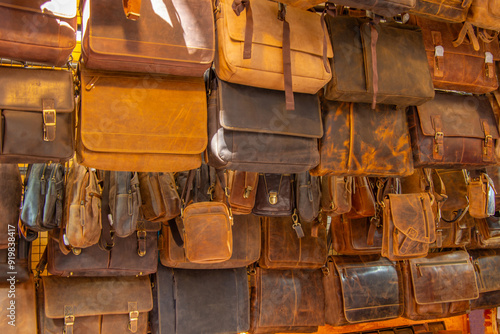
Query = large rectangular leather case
x=453 y=131
x=442 y=10
x=38 y=115
x=438 y=286
x=18 y=309
x=486 y=264
x=251 y=130
x=171 y=37
x=200 y=301
x=142 y=123
x=38 y=30
x=485 y=14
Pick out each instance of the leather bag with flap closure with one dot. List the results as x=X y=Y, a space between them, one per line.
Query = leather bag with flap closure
x=38 y=30
x=356 y=236
x=481 y=195
x=454 y=234
x=442 y=10
x=126 y=125
x=23 y=310
x=453 y=131
x=38 y=115
x=241 y=190
x=486 y=264
x=428 y=292
x=307 y=196
x=487 y=233
x=388 y=8
x=275 y=196
x=485 y=14
x=95 y=305
x=250 y=130
x=348 y=149
x=160 y=199
x=362 y=289
x=336 y=194
x=171 y=37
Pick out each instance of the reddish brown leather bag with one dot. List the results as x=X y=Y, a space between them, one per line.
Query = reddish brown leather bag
x=356 y=236
x=38 y=30
x=428 y=293
x=10 y=202
x=241 y=191
x=336 y=194
x=160 y=199
x=486 y=264
x=174 y=37
x=442 y=10
x=453 y=131
x=363 y=199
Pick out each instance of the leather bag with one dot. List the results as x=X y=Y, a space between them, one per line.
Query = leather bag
x=481 y=195
x=10 y=202
x=366 y=55
x=336 y=194
x=171 y=119
x=362 y=289
x=494 y=174
x=356 y=236
x=38 y=114
x=95 y=305
x=42 y=208
x=246 y=247
x=289 y=244
x=38 y=31
x=362 y=200
x=442 y=10
x=171 y=37
x=307 y=196
x=485 y=14
x=132 y=9
x=250 y=130
x=388 y=8
x=456 y=190
x=159 y=196
x=348 y=149
x=275 y=196
x=181 y=296
x=124 y=200
x=276 y=305
x=454 y=234
x=409 y=226
x=486 y=264
x=453 y=131
x=241 y=190
x=18 y=308
x=303 y=4
x=447 y=58
x=428 y=293
x=487 y=233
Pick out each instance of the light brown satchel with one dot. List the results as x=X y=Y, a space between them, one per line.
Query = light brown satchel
x=485 y=14
x=481 y=194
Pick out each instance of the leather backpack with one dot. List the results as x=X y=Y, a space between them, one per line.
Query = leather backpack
x=485 y=14
x=307 y=196
x=275 y=195
x=160 y=199
x=442 y=10
x=486 y=264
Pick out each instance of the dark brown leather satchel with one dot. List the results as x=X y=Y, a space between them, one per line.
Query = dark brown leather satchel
x=168 y=38
x=160 y=199
x=336 y=194
x=356 y=236
x=486 y=264
x=289 y=244
x=18 y=308
x=388 y=8
x=39 y=127
x=363 y=199
x=453 y=131
x=454 y=234
x=307 y=196
x=362 y=289
x=95 y=305
x=38 y=31
x=181 y=298
x=348 y=149
x=276 y=305
x=275 y=195
x=428 y=293
x=246 y=247
x=442 y=10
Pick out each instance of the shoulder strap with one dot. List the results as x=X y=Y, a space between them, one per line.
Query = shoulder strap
x=106 y=241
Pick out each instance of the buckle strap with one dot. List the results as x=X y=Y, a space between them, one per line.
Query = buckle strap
x=438 y=54
x=132 y=9
x=488 y=142
x=49 y=120
x=69 y=319
x=239 y=6
x=133 y=317
x=438 y=145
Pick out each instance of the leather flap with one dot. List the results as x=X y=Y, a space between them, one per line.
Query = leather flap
x=64 y=9
x=433 y=275
x=251 y=109
x=368 y=283
x=494 y=8
x=26 y=88
x=95 y=295
x=461 y=116
x=306 y=34
x=487 y=265
x=412 y=215
x=143 y=113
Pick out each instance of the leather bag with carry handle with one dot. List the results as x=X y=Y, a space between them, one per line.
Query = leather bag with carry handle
x=387 y=8
x=172 y=37
x=486 y=264
x=428 y=293
x=307 y=196
x=38 y=31
x=159 y=196
x=362 y=289
x=441 y=138
x=171 y=118
x=275 y=195
x=24 y=310
x=485 y=14
x=454 y=234
x=442 y=10
x=38 y=115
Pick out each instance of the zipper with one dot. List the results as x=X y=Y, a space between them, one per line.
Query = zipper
x=431 y=264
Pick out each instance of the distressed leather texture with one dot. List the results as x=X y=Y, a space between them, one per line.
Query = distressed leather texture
x=82 y=207
x=307 y=196
x=275 y=196
x=362 y=199
x=356 y=236
x=409 y=226
x=428 y=293
x=388 y=8
x=171 y=37
x=403 y=74
x=302 y=4
x=442 y=10
x=290 y=301
x=464 y=121
x=24 y=309
x=348 y=149
x=124 y=202
x=283 y=249
x=159 y=196
x=487 y=233
x=494 y=173
x=43 y=197
x=38 y=31
x=10 y=201
x=101 y=303
x=181 y=298
x=362 y=289
x=486 y=264
x=485 y=14
x=459 y=68
x=265 y=67
x=246 y=247
x=171 y=118
x=456 y=234
x=481 y=195
x=249 y=129
x=24 y=95
x=456 y=189
x=336 y=194
x=242 y=189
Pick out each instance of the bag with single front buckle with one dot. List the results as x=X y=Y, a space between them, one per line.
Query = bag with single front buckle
x=275 y=196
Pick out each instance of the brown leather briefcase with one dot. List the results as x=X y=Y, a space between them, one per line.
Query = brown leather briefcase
x=140 y=128
x=38 y=30
x=18 y=307
x=485 y=14
x=442 y=10
x=486 y=264
x=38 y=115
x=171 y=37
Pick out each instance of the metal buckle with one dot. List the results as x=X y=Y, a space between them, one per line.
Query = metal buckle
x=134 y=315
x=46 y=124
x=438 y=135
x=69 y=320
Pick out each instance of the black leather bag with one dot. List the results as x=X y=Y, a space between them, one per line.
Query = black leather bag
x=275 y=195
